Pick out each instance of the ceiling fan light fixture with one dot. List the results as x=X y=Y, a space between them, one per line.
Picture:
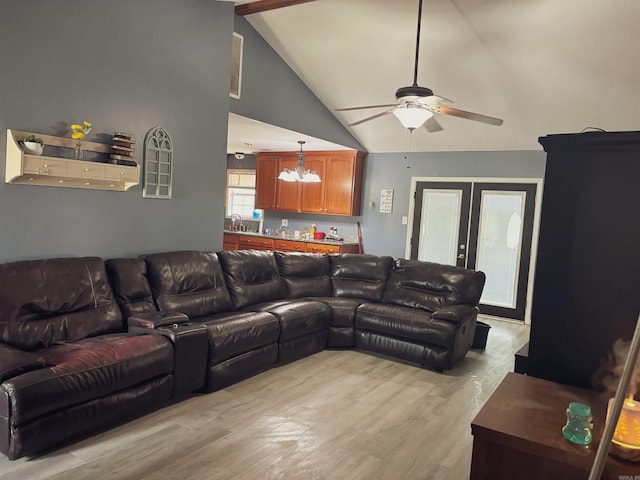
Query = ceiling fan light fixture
x=412 y=117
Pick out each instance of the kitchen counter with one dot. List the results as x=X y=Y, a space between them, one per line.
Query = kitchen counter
x=290 y=237
x=236 y=240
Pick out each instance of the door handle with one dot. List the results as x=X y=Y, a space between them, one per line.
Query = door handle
x=461 y=256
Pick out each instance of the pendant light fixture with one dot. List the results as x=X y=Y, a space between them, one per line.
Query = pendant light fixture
x=299 y=174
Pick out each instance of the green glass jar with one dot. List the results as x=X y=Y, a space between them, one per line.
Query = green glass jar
x=579 y=424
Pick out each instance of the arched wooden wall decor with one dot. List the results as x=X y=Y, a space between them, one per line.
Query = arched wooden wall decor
x=158 y=164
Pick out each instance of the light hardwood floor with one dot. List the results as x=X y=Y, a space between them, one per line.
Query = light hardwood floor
x=335 y=415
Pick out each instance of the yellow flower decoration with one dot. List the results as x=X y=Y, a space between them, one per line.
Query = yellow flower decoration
x=79 y=132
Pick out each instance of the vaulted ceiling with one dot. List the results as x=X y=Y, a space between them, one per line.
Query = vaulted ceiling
x=544 y=66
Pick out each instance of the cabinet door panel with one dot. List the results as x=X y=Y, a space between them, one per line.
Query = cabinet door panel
x=266 y=174
x=339 y=185
x=313 y=194
x=288 y=193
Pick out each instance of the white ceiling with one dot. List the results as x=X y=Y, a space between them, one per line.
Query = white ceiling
x=249 y=136
x=544 y=66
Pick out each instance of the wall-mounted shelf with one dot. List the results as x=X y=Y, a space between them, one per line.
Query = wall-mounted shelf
x=27 y=169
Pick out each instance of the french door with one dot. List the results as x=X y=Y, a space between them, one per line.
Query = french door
x=482 y=226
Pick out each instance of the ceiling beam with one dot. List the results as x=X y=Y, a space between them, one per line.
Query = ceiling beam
x=264 y=5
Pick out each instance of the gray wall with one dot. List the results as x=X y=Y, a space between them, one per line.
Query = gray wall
x=170 y=65
x=384 y=234
x=125 y=65
x=272 y=93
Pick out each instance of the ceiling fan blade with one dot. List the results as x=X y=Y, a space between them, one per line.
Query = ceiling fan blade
x=372 y=117
x=432 y=125
x=365 y=107
x=468 y=115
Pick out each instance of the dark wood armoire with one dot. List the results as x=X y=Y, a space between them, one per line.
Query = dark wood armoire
x=587 y=280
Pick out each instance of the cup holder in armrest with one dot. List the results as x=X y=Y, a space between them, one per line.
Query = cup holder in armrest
x=178 y=325
x=155 y=320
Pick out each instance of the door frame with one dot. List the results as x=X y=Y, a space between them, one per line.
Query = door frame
x=539 y=182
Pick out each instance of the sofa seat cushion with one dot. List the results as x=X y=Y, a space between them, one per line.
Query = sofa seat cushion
x=343 y=309
x=298 y=317
x=85 y=370
x=236 y=333
x=407 y=323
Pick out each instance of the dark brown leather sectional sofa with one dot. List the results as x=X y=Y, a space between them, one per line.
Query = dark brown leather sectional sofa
x=86 y=344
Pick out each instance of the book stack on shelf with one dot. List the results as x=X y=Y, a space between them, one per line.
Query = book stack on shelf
x=122 y=150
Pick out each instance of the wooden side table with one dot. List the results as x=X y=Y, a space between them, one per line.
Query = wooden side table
x=518 y=434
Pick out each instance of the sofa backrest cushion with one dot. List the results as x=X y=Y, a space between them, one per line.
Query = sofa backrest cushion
x=252 y=277
x=359 y=276
x=130 y=285
x=55 y=301
x=189 y=282
x=305 y=274
x=430 y=286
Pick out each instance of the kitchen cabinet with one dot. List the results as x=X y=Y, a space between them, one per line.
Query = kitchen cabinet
x=343 y=186
x=339 y=193
x=312 y=194
x=287 y=193
x=266 y=175
x=230 y=241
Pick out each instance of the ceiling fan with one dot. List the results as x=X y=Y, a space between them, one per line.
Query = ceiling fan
x=416 y=105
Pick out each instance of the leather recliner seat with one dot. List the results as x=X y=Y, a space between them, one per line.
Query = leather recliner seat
x=67 y=365
x=241 y=343
x=427 y=314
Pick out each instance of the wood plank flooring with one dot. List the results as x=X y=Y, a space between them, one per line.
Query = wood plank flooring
x=334 y=415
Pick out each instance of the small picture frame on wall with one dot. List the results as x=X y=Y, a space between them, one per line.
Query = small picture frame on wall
x=386 y=200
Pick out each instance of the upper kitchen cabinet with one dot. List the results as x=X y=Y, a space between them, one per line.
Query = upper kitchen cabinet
x=313 y=194
x=266 y=175
x=287 y=193
x=343 y=185
x=339 y=193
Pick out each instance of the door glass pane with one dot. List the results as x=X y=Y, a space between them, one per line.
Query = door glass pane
x=440 y=225
x=500 y=244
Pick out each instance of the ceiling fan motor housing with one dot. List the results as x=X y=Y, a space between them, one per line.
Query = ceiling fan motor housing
x=413 y=91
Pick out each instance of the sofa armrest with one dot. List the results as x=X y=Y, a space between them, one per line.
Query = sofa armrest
x=456 y=313
x=14 y=362
x=154 y=320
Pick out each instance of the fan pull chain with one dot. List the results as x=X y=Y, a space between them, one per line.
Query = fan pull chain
x=408 y=148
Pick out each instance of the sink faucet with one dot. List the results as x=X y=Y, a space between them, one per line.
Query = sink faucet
x=235 y=217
